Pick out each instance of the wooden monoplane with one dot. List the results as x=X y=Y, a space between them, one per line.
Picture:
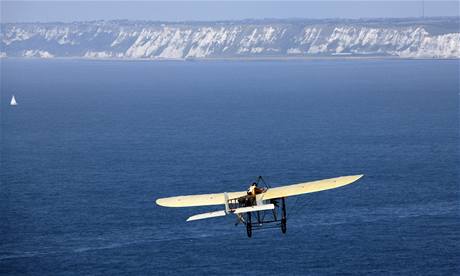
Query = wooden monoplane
x=257 y=206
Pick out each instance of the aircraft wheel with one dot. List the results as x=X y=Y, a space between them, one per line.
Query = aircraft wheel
x=283 y=226
x=248 y=225
x=283 y=218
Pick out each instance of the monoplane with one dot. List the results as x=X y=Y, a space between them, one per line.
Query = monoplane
x=258 y=206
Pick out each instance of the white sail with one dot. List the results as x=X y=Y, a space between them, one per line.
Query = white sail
x=13 y=101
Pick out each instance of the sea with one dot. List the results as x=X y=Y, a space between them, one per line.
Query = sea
x=92 y=144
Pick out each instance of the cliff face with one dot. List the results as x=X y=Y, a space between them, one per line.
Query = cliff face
x=429 y=38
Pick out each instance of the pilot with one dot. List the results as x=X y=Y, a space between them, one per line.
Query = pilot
x=254 y=190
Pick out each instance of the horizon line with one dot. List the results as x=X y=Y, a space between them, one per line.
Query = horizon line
x=240 y=20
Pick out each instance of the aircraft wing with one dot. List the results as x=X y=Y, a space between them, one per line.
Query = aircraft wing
x=278 y=192
x=198 y=200
x=308 y=187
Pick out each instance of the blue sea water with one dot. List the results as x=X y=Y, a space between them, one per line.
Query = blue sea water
x=92 y=144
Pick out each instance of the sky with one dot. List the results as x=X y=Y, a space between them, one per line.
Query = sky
x=68 y=11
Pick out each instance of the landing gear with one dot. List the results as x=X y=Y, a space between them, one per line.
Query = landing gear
x=269 y=213
x=283 y=216
x=248 y=224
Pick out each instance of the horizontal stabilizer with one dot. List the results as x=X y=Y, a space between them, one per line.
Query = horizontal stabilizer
x=254 y=208
x=207 y=215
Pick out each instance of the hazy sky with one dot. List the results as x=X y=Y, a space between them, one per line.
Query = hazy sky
x=31 y=11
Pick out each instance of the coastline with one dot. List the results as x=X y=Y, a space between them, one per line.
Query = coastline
x=230 y=59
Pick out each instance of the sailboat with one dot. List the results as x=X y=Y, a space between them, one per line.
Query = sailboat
x=13 y=101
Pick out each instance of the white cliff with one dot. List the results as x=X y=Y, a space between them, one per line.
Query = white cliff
x=429 y=38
